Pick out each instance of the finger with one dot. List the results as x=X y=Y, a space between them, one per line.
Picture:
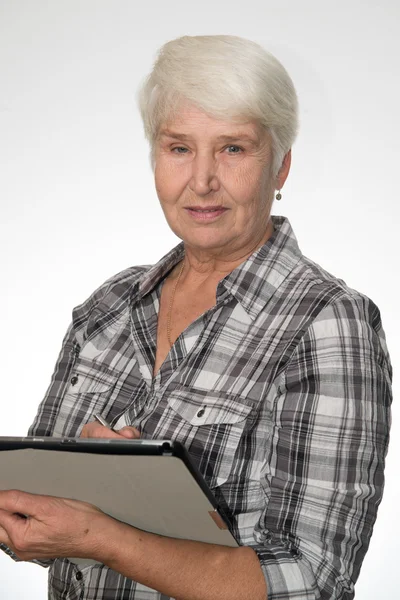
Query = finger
x=95 y=430
x=12 y=527
x=130 y=433
x=8 y=520
x=4 y=537
x=15 y=501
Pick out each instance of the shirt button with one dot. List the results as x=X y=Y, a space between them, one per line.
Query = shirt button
x=79 y=576
x=74 y=380
x=201 y=412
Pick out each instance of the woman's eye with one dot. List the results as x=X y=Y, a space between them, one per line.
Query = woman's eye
x=233 y=149
x=179 y=150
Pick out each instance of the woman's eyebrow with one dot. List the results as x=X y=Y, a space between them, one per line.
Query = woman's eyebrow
x=239 y=137
x=174 y=134
x=221 y=138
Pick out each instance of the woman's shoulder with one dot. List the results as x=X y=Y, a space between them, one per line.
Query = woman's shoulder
x=315 y=276
x=339 y=301
x=112 y=295
x=126 y=278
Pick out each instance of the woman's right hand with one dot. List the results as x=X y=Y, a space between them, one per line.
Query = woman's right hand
x=95 y=430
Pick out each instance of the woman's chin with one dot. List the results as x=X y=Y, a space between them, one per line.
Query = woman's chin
x=207 y=241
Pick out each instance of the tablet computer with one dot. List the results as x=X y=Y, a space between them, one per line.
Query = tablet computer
x=150 y=484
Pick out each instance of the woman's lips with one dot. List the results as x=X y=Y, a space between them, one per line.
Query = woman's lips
x=205 y=215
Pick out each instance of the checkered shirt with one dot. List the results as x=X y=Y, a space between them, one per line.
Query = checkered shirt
x=291 y=370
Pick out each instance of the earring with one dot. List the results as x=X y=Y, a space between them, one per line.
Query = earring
x=278 y=195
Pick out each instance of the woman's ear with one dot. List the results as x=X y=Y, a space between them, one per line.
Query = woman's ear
x=284 y=170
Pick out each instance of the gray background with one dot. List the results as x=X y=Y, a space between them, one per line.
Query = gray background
x=78 y=201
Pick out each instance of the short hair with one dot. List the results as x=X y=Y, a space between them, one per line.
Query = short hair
x=227 y=77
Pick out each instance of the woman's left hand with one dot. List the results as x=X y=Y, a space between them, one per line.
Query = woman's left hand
x=43 y=527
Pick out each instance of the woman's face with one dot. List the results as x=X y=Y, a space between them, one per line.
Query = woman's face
x=213 y=179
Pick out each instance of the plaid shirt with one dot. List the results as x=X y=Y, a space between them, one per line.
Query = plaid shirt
x=291 y=371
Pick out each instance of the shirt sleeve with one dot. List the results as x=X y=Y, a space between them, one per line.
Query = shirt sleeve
x=49 y=407
x=103 y=303
x=324 y=479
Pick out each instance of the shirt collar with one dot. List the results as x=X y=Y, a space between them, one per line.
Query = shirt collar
x=151 y=278
x=254 y=281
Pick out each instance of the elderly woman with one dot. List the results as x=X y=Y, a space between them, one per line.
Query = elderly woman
x=272 y=372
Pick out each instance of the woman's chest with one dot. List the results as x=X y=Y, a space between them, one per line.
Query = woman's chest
x=176 y=313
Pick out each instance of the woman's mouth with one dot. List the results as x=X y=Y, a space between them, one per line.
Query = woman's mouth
x=205 y=214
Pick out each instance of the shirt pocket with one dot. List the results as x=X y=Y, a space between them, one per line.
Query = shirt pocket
x=89 y=391
x=95 y=388
x=211 y=426
x=91 y=379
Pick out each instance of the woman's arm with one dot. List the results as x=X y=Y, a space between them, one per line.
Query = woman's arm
x=323 y=479
x=178 y=568
x=184 y=569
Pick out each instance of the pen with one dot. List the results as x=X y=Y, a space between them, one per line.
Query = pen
x=103 y=422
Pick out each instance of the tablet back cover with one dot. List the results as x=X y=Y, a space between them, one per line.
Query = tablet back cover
x=154 y=493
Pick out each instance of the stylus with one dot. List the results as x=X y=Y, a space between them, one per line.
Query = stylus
x=103 y=422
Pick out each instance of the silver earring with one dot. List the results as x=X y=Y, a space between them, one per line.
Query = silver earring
x=278 y=195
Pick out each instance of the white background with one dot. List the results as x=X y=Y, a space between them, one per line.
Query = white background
x=78 y=201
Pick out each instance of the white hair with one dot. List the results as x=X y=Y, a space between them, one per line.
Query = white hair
x=227 y=77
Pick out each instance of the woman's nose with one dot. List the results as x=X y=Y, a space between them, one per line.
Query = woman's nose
x=204 y=175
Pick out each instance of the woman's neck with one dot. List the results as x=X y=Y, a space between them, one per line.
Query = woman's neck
x=202 y=265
